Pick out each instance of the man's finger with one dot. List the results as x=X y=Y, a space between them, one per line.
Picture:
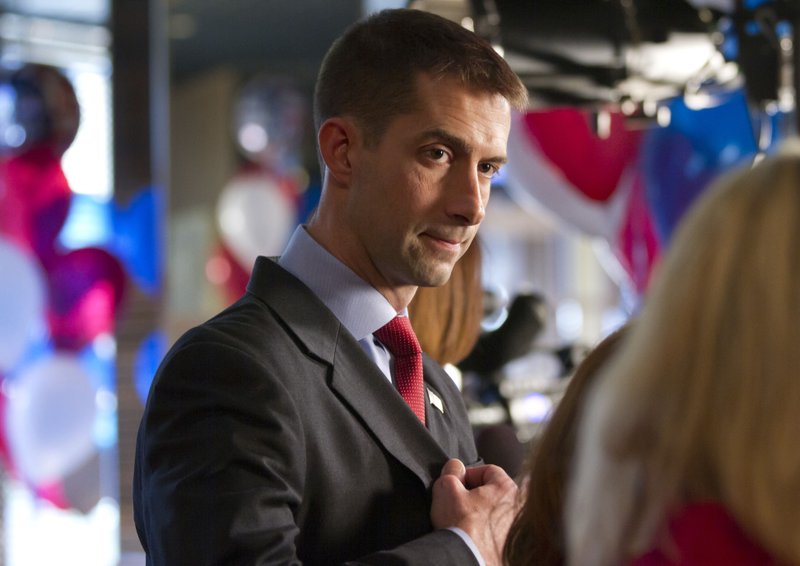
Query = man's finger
x=448 y=484
x=482 y=475
x=455 y=467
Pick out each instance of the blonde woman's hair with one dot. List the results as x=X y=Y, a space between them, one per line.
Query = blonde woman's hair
x=703 y=400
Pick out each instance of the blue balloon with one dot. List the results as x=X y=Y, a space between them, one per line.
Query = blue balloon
x=88 y=223
x=138 y=238
x=675 y=174
x=723 y=133
x=134 y=233
x=680 y=160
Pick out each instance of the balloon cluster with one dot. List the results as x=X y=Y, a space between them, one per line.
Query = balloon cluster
x=261 y=204
x=629 y=187
x=55 y=303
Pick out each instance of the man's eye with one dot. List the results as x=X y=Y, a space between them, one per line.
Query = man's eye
x=488 y=169
x=438 y=154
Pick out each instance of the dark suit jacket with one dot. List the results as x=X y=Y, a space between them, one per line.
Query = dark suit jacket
x=270 y=437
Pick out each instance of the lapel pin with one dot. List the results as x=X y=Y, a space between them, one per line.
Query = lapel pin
x=436 y=401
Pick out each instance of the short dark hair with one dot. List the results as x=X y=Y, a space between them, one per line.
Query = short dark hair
x=370 y=71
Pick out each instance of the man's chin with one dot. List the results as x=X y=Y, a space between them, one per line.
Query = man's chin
x=435 y=278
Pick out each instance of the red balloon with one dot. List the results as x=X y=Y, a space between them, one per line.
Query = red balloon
x=593 y=165
x=86 y=287
x=34 y=200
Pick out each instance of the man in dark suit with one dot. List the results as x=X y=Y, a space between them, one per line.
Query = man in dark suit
x=273 y=433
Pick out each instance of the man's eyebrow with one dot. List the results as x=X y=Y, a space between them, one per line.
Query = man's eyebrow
x=458 y=144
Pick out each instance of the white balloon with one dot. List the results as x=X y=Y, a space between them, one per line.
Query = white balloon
x=50 y=417
x=255 y=217
x=22 y=303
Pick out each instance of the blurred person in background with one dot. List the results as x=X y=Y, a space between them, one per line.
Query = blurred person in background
x=537 y=536
x=687 y=452
x=274 y=433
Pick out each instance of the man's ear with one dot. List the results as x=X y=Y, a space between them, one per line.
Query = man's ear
x=338 y=138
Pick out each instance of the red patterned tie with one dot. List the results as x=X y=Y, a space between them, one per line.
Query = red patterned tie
x=400 y=340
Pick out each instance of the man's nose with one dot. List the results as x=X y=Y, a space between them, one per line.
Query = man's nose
x=467 y=197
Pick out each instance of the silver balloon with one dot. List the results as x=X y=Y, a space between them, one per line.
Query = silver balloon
x=270 y=120
x=38 y=105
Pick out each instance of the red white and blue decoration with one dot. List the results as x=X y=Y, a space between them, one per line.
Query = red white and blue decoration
x=67 y=261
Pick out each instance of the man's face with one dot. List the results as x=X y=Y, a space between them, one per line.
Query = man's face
x=418 y=196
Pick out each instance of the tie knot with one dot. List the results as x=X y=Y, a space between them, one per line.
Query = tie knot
x=398 y=337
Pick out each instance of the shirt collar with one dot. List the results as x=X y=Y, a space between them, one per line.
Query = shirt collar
x=356 y=303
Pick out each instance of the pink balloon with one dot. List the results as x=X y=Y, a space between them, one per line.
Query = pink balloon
x=34 y=199
x=86 y=287
x=637 y=246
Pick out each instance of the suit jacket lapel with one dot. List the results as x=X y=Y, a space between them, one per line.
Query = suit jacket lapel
x=441 y=412
x=364 y=387
x=355 y=378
